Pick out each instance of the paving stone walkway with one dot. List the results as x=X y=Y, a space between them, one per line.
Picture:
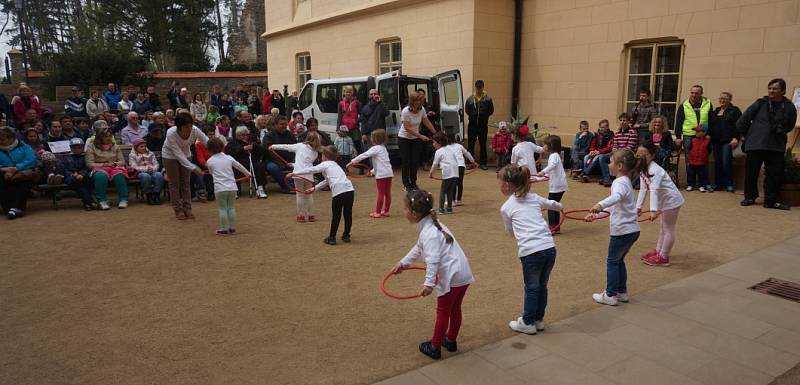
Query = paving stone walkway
x=706 y=329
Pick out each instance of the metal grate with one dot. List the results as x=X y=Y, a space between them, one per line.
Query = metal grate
x=779 y=288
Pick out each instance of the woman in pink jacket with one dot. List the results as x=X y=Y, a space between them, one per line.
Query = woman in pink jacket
x=348 y=116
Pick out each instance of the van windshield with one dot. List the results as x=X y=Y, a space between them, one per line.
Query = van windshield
x=329 y=95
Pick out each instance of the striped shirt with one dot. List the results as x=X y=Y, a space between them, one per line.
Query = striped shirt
x=626 y=139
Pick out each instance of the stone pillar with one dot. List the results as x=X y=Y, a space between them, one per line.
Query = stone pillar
x=17 y=67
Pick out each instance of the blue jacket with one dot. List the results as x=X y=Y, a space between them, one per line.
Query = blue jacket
x=112 y=99
x=21 y=157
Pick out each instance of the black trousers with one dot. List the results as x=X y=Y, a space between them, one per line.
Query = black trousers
x=339 y=203
x=773 y=175
x=14 y=194
x=553 y=216
x=478 y=132
x=447 y=192
x=410 y=152
x=460 y=184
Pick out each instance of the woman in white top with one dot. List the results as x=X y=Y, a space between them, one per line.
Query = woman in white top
x=445 y=159
x=446 y=269
x=198 y=109
x=461 y=153
x=664 y=198
x=342 y=192
x=221 y=166
x=522 y=217
x=410 y=139
x=624 y=226
x=382 y=168
x=557 y=183
x=523 y=153
x=176 y=154
x=304 y=156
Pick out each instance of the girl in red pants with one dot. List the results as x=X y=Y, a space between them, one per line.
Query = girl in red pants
x=447 y=270
x=382 y=169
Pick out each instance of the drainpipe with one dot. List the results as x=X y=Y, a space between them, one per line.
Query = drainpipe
x=517 y=58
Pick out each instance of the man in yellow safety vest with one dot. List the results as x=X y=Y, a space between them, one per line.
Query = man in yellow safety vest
x=693 y=113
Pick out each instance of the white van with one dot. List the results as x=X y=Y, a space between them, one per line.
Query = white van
x=320 y=99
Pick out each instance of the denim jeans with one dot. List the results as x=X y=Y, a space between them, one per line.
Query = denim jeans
x=536 y=270
x=151 y=183
x=275 y=171
x=723 y=164
x=687 y=147
x=697 y=176
x=616 y=273
x=598 y=161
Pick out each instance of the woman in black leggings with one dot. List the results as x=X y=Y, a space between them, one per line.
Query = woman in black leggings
x=411 y=140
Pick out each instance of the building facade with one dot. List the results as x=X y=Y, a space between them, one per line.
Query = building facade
x=579 y=59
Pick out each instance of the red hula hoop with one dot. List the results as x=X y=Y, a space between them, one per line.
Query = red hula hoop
x=646 y=219
x=294 y=187
x=279 y=157
x=393 y=296
x=557 y=227
x=583 y=219
x=539 y=179
x=472 y=168
x=357 y=165
x=237 y=180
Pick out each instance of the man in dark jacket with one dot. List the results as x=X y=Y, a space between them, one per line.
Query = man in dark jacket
x=373 y=116
x=75 y=105
x=155 y=100
x=275 y=166
x=764 y=127
x=479 y=108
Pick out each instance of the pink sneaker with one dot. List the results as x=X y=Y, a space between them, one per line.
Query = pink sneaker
x=457 y=203
x=657 y=260
x=301 y=219
x=648 y=254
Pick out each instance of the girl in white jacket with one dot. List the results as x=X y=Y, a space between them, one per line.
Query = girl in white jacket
x=523 y=153
x=382 y=168
x=447 y=270
x=664 y=198
x=557 y=178
x=305 y=155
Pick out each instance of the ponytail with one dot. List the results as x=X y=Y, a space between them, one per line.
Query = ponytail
x=421 y=203
x=517 y=176
x=627 y=159
x=641 y=161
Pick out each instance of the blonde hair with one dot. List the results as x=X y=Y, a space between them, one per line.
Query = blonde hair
x=629 y=161
x=420 y=202
x=378 y=136
x=518 y=177
x=663 y=120
x=313 y=140
x=413 y=99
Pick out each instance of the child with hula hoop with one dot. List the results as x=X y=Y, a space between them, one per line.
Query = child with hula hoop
x=522 y=217
x=342 y=192
x=460 y=153
x=665 y=200
x=524 y=152
x=624 y=225
x=220 y=166
x=305 y=155
x=382 y=167
x=445 y=159
x=444 y=258
x=557 y=182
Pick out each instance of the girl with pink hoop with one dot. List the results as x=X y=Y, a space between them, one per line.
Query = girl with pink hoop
x=665 y=198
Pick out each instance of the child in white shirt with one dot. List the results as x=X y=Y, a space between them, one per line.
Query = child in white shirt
x=445 y=159
x=382 y=168
x=624 y=225
x=460 y=153
x=341 y=190
x=522 y=217
x=557 y=178
x=523 y=153
x=665 y=198
x=221 y=168
x=447 y=270
x=305 y=155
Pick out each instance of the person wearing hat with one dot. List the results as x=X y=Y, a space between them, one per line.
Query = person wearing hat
x=75 y=105
x=145 y=163
x=697 y=173
x=97 y=126
x=76 y=174
x=479 y=108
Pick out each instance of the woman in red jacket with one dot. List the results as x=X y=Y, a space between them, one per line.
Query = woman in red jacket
x=24 y=101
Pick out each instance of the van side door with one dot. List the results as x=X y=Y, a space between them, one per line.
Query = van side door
x=451 y=103
x=388 y=88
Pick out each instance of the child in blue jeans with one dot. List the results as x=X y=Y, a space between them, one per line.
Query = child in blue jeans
x=624 y=225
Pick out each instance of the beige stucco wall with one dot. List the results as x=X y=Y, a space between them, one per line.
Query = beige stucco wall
x=436 y=37
x=573 y=59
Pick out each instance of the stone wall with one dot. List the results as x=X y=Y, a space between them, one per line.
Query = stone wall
x=247 y=46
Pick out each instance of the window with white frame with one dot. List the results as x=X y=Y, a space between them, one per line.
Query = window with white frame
x=656 y=67
x=390 y=56
x=303 y=69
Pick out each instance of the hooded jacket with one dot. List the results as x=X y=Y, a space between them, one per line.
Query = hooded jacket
x=765 y=124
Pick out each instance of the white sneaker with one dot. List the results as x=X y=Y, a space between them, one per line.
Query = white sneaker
x=623 y=297
x=104 y=205
x=518 y=325
x=122 y=204
x=604 y=299
x=689 y=188
x=539 y=325
x=260 y=193
x=702 y=189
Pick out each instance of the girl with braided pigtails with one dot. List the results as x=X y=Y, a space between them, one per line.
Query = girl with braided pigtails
x=447 y=270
